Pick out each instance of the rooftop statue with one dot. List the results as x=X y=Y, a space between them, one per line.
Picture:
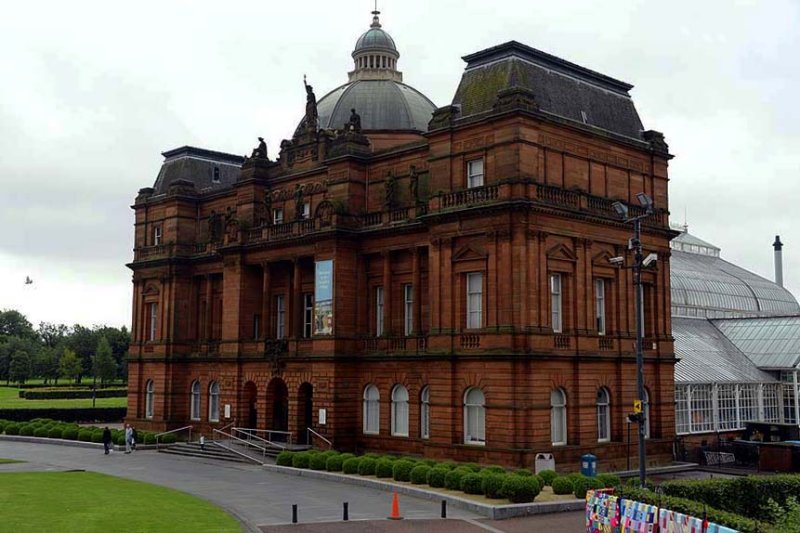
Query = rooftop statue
x=354 y=124
x=311 y=107
x=260 y=152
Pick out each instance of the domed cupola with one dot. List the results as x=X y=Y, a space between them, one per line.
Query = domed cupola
x=375 y=55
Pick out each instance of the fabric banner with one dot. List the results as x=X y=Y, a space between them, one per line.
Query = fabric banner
x=323 y=298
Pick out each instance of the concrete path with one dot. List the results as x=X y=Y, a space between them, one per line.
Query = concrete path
x=254 y=496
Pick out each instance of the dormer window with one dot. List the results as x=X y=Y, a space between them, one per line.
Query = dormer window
x=215 y=176
x=156 y=235
x=475 y=173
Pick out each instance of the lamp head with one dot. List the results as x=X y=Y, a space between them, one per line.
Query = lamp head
x=616 y=260
x=645 y=201
x=621 y=209
x=650 y=260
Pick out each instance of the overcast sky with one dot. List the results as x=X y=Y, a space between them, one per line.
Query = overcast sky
x=92 y=92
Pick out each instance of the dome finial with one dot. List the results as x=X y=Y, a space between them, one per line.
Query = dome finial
x=375 y=22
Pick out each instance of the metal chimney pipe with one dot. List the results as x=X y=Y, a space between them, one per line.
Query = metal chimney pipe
x=778 y=245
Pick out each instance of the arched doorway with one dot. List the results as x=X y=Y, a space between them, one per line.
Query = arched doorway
x=278 y=405
x=249 y=398
x=305 y=411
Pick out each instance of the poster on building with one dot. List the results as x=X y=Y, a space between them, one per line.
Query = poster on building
x=323 y=298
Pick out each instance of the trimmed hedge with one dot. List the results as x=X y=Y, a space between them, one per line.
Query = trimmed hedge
x=27 y=430
x=367 y=466
x=472 y=484
x=436 y=476
x=284 y=458
x=41 y=432
x=318 y=461
x=492 y=485
x=99 y=414
x=56 y=432
x=583 y=484
x=81 y=394
x=384 y=468
x=402 y=470
x=351 y=466
x=694 y=508
x=71 y=433
x=85 y=435
x=494 y=469
x=548 y=476
x=335 y=462
x=475 y=467
x=301 y=460
x=520 y=489
x=419 y=474
x=12 y=429
x=562 y=485
x=524 y=472
x=609 y=480
x=453 y=478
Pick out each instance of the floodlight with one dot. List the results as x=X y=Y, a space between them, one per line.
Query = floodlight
x=621 y=209
x=649 y=260
x=616 y=260
x=645 y=200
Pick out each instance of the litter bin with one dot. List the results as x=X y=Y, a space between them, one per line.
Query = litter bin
x=589 y=465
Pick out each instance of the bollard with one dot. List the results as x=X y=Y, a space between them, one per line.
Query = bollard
x=294 y=513
x=345 y=512
x=444 y=508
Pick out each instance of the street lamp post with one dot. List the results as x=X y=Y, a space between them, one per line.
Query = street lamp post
x=639 y=262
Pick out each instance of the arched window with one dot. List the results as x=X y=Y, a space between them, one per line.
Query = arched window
x=149 y=397
x=425 y=413
x=372 y=413
x=474 y=417
x=400 y=411
x=646 y=410
x=558 y=417
x=213 y=402
x=603 y=415
x=194 y=413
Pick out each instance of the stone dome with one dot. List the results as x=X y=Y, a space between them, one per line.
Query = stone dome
x=375 y=38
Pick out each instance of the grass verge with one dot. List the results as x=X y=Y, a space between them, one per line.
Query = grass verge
x=9 y=399
x=9 y=461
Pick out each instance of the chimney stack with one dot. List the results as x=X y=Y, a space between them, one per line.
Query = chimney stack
x=778 y=245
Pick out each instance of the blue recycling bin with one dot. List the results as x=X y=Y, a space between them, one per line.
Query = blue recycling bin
x=589 y=465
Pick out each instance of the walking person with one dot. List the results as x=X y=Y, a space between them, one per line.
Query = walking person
x=134 y=438
x=106 y=440
x=128 y=438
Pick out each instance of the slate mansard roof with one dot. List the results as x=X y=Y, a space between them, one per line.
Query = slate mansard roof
x=560 y=88
x=198 y=166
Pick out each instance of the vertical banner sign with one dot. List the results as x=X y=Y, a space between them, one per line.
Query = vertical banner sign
x=323 y=298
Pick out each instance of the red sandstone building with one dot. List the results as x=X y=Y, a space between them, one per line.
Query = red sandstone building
x=414 y=279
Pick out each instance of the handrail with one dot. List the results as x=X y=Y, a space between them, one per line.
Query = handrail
x=269 y=432
x=234 y=437
x=237 y=452
x=226 y=426
x=174 y=431
x=251 y=436
x=310 y=431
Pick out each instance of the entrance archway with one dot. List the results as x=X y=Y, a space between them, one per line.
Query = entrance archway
x=278 y=405
x=305 y=411
x=249 y=399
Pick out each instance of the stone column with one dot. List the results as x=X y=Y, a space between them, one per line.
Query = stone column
x=266 y=303
x=209 y=307
x=417 y=293
x=296 y=301
x=387 y=292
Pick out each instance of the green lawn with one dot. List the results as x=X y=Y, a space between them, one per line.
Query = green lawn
x=9 y=399
x=8 y=461
x=90 y=502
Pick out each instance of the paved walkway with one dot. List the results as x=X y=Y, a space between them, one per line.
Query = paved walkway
x=261 y=499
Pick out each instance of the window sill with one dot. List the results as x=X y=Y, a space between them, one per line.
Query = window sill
x=475 y=443
x=558 y=444
x=371 y=432
x=603 y=441
x=402 y=435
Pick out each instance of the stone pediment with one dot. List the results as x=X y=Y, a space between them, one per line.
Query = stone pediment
x=561 y=252
x=470 y=253
x=151 y=288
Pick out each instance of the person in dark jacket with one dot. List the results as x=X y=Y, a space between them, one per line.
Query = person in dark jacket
x=107 y=440
x=134 y=438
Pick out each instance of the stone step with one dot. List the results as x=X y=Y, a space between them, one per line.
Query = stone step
x=201 y=454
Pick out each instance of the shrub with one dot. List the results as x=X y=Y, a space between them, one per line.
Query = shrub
x=562 y=485
x=118 y=438
x=334 y=462
x=284 y=458
x=318 y=461
x=524 y=472
x=3 y=425
x=583 y=484
x=492 y=485
x=384 y=468
x=430 y=462
x=147 y=438
x=56 y=432
x=71 y=433
x=472 y=466
x=436 y=476
x=169 y=438
x=12 y=429
x=453 y=478
x=449 y=465
x=85 y=435
x=472 y=484
x=367 y=466
x=419 y=474
x=520 y=489
x=609 y=480
x=41 y=432
x=27 y=430
x=73 y=394
x=548 y=476
x=97 y=436
x=402 y=470
x=494 y=469
x=101 y=414
x=301 y=460
x=351 y=466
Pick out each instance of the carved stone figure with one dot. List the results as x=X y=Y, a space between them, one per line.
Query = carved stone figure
x=267 y=219
x=413 y=184
x=213 y=227
x=298 y=201
x=260 y=152
x=311 y=107
x=354 y=124
x=390 y=191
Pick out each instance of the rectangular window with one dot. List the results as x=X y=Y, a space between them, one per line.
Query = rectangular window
x=305 y=212
x=156 y=235
x=308 y=314
x=681 y=410
x=256 y=326
x=475 y=300
x=701 y=408
x=277 y=216
x=555 y=303
x=215 y=179
x=748 y=403
x=475 y=173
x=772 y=411
x=408 y=309
x=153 y=322
x=600 y=305
x=726 y=407
x=378 y=311
x=280 y=317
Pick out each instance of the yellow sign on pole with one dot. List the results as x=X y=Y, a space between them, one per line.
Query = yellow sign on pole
x=637 y=406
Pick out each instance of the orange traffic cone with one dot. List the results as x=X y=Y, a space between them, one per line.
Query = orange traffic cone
x=395 y=509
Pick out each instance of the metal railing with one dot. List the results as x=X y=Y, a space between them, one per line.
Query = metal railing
x=174 y=431
x=250 y=435
x=310 y=432
x=232 y=438
x=283 y=439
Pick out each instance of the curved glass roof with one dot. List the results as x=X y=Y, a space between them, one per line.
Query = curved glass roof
x=704 y=285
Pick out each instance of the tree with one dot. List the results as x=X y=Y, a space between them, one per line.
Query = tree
x=83 y=341
x=70 y=365
x=20 y=368
x=104 y=365
x=119 y=339
x=45 y=365
x=14 y=324
x=11 y=346
x=52 y=334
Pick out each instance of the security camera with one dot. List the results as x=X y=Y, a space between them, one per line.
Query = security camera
x=616 y=260
x=650 y=260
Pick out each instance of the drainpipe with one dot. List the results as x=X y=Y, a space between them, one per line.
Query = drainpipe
x=778 y=245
